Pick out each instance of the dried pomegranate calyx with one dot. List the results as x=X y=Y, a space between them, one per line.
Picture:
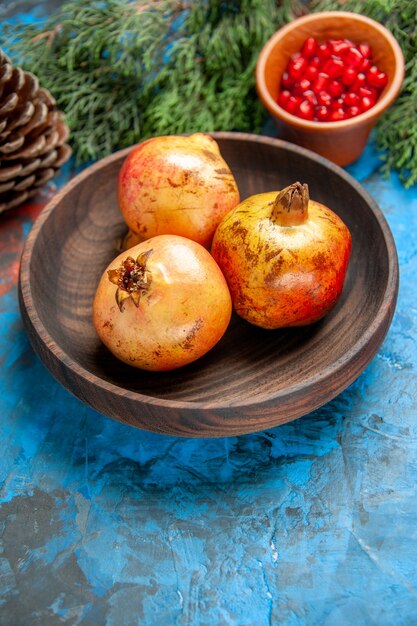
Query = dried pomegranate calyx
x=132 y=278
x=290 y=207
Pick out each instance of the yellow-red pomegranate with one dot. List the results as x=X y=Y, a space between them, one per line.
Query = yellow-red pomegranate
x=162 y=304
x=178 y=185
x=284 y=257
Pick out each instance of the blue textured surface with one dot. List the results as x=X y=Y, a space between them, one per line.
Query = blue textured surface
x=314 y=522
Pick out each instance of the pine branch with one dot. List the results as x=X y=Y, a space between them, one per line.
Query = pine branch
x=124 y=71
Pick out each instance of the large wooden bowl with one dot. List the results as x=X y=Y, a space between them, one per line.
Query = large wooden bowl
x=253 y=379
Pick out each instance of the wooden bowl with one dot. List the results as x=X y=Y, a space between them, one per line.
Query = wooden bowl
x=253 y=379
x=341 y=142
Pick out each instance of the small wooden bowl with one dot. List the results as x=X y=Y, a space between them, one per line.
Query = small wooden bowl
x=341 y=142
x=253 y=379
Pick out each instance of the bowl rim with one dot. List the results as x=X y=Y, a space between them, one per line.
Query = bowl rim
x=363 y=118
x=381 y=320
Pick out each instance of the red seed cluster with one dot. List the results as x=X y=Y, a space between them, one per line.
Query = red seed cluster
x=330 y=81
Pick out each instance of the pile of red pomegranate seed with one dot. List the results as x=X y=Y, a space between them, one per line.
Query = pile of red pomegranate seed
x=330 y=81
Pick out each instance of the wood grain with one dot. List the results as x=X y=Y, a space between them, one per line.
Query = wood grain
x=253 y=379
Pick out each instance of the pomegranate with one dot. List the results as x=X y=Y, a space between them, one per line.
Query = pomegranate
x=162 y=304
x=178 y=185
x=284 y=257
x=129 y=240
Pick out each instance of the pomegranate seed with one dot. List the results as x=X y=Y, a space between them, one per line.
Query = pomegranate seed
x=365 y=50
x=320 y=82
x=286 y=81
x=353 y=57
x=283 y=98
x=334 y=67
x=360 y=81
x=373 y=70
x=365 y=65
x=370 y=92
x=330 y=80
x=323 y=51
x=311 y=73
x=340 y=46
x=322 y=113
x=335 y=88
x=376 y=78
x=351 y=99
x=349 y=76
x=311 y=97
x=324 y=98
x=296 y=67
x=353 y=111
x=367 y=103
x=305 y=110
x=309 y=47
x=336 y=116
x=293 y=104
x=337 y=104
x=301 y=86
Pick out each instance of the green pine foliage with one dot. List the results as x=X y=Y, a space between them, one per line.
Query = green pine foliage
x=96 y=60
x=124 y=71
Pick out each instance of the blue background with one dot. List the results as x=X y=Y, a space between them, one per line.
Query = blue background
x=314 y=522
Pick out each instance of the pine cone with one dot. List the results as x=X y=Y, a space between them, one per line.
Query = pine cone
x=32 y=135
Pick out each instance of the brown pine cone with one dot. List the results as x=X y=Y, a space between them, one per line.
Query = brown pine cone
x=32 y=135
